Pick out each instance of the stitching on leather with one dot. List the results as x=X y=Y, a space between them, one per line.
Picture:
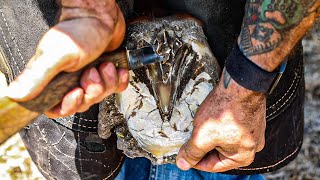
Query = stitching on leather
x=80 y=159
x=79 y=125
x=14 y=42
x=87 y=120
x=43 y=171
x=7 y=45
x=74 y=123
x=73 y=129
x=80 y=162
x=271 y=166
x=84 y=126
x=293 y=92
x=49 y=163
x=50 y=151
x=41 y=151
x=284 y=94
x=119 y=165
x=70 y=169
x=43 y=138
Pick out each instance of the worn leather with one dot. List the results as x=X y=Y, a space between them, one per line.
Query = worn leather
x=69 y=148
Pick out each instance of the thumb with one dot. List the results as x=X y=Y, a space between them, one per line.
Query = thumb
x=192 y=152
x=55 y=52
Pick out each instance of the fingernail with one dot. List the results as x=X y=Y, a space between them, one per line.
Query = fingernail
x=94 y=75
x=183 y=164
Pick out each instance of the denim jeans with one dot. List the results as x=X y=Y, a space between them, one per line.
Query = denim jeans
x=142 y=169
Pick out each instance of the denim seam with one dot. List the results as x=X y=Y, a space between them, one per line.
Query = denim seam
x=271 y=166
x=152 y=174
x=157 y=172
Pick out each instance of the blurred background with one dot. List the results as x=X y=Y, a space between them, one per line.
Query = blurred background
x=15 y=162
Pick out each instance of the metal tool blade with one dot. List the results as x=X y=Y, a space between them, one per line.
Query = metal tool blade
x=143 y=56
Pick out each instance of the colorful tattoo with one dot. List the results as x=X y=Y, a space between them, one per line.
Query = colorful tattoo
x=282 y=13
x=267 y=21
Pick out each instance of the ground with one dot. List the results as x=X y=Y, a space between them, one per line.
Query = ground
x=15 y=162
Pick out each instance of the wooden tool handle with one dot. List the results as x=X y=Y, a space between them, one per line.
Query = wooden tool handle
x=64 y=82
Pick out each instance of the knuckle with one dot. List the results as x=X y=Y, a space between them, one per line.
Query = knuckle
x=94 y=91
x=197 y=145
x=112 y=82
x=249 y=145
x=192 y=156
x=89 y=100
x=248 y=158
x=193 y=153
x=98 y=90
x=111 y=86
x=92 y=98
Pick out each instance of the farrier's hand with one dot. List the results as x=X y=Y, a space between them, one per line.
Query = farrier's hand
x=229 y=126
x=86 y=29
x=228 y=129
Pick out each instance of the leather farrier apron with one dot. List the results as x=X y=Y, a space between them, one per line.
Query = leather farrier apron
x=70 y=148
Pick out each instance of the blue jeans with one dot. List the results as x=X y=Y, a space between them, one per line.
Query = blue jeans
x=142 y=169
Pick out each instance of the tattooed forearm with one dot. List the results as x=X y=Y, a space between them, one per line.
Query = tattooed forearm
x=257 y=35
x=269 y=24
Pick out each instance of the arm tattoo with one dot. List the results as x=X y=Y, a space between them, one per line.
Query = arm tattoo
x=267 y=21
